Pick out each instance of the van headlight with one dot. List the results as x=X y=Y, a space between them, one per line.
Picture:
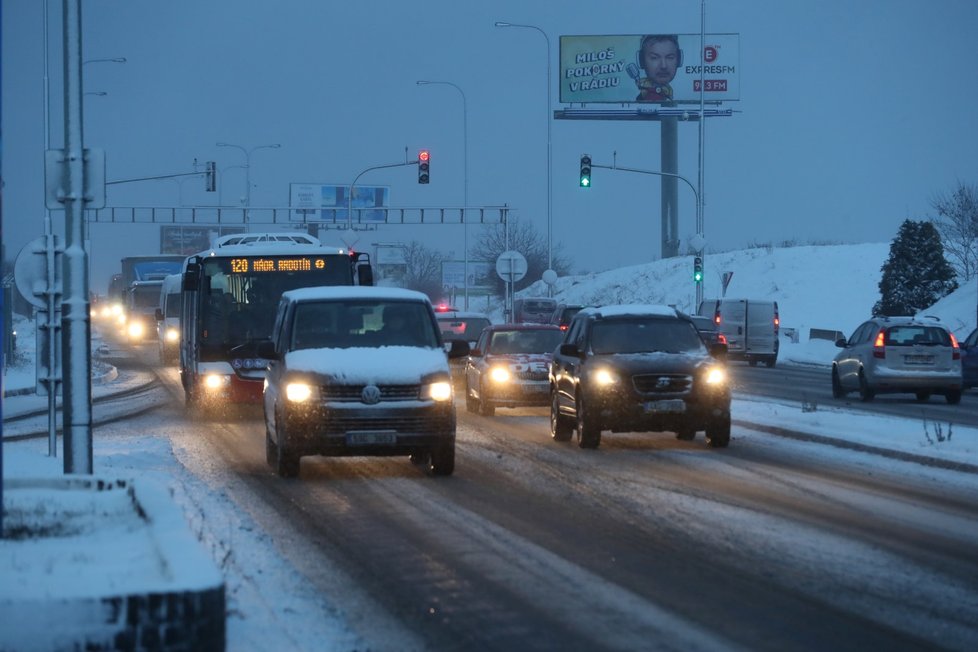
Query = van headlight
x=172 y=335
x=298 y=392
x=439 y=391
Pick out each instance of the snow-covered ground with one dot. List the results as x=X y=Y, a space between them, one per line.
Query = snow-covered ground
x=832 y=287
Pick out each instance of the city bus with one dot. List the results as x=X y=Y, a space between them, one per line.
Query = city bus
x=229 y=296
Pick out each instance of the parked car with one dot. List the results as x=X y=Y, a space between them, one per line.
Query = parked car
x=707 y=328
x=969 y=360
x=637 y=368
x=563 y=314
x=168 y=318
x=358 y=371
x=887 y=355
x=751 y=327
x=510 y=367
x=461 y=325
x=533 y=310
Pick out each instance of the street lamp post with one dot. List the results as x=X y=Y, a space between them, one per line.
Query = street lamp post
x=465 y=165
x=550 y=257
x=247 y=153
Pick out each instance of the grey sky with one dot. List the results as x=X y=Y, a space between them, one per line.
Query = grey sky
x=852 y=114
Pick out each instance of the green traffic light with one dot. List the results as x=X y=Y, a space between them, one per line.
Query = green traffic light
x=585 y=182
x=698 y=277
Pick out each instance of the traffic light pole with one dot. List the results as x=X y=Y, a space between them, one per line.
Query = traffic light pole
x=349 y=199
x=700 y=252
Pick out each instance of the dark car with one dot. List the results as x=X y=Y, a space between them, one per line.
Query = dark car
x=637 y=368
x=358 y=371
x=510 y=367
x=460 y=325
x=969 y=360
x=707 y=328
x=564 y=313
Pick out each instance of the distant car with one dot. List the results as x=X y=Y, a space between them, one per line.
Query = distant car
x=510 y=366
x=888 y=355
x=358 y=371
x=707 y=328
x=168 y=319
x=563 y=314
x=637 y=368
x=969 y=360
x=533 y=310
x=461 y=325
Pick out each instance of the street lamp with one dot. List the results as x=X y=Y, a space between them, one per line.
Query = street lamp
x=550 y=257
x=465 y=165
x=220 y=181
x=110 y=60
x=99 y=93
x=247 y=153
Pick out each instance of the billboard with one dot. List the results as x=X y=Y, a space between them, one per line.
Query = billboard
x=648 y=68
x=481 y=275
x=320 y=202
x=188 y=240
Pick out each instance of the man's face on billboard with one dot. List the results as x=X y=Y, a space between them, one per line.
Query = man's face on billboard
x=660 y=59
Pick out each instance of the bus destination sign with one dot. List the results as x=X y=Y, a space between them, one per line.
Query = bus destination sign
x=284 y=264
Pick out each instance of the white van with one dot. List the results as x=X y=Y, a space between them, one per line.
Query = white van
x=750 y=326
x=168 y=318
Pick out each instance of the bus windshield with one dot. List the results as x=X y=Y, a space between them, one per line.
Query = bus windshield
x=239 y=296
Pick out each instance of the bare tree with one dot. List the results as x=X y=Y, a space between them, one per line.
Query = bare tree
x=957 y=222
x=525 y=239
x=423 y=269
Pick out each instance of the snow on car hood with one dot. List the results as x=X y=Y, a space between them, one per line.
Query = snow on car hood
x=388 y=365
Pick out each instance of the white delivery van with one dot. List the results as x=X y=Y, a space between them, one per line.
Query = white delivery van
x=750 y=326
x=168 y=318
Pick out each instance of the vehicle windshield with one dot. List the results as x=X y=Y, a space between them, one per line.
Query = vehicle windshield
x=237 y=306
x=146 y=296
x=640 y=335
x=525 y=341
x=462 y=328
x=362 y=323
x=914 y=334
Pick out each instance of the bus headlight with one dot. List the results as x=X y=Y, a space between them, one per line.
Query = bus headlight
x=214 y=382
x=172 y=335
x=300 y=392
x=440 y=391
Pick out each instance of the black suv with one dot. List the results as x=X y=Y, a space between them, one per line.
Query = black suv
x=638 y=368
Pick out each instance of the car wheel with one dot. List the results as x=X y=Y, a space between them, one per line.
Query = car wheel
x=953 y=397
x=923 y=396
x=486 y=408
x=588 y=431
x=865 y=393
x=420 y=459
x=442 y=460
x=286 y=462
x=270 y=450
x=471 y=405
x=718 y=433
x=561 y=426
x=686 y=433
x=752 y=362
x=770 y=362
x=837 y=391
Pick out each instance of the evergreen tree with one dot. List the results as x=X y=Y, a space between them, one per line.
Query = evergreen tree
x=916 y=274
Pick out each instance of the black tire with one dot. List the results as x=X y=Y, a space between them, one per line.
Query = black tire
x=865 y=393
x=837 y=390
x=471 y=404
x=588 y=430
x=441 y=461
x=686 y=433
x=561 y=425
x=718 y=433
x=285 y=462
x=922 y=396
x=421 y=459
x=752 y=362
x=270 y=450
x=770 y=362
x=953 y=397
x=486 y=408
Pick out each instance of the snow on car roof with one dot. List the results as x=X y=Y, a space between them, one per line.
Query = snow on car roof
x=634 y=309
x=332 y=293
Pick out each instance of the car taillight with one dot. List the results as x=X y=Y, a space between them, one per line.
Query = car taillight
x=878 y=350
x=777 y=322
x=955 y=349
x=564 y=327
x=721 y=338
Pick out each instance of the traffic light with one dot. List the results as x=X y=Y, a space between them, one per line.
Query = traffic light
x=585 y=171
x=697 y=270
x=211 y=177
x=424 y=159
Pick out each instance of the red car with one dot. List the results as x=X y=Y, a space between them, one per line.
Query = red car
x=510 y=367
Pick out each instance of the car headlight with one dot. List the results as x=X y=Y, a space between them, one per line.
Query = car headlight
x=216 y=381
x=605 y=377
x=440 y=391
x=300 y=392
x=499 y=374
x=716 y=376
x=172 y=335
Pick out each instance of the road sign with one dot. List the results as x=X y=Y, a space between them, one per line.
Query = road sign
x=31 y=271
x=511 y=266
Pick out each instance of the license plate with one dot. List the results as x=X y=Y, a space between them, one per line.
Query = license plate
x=371 y=437
x=918 y=359
x=670 y=405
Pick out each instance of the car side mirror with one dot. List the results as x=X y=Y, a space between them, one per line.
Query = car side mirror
x=458 y=349
x=266 y=349
x=841 y=342
x=159 y=314
x=475 y=353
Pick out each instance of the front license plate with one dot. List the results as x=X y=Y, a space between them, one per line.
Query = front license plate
x=918 y=359
x=670 y=405
x=371 y=437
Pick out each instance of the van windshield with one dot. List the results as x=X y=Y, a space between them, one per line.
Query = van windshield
x=362 y=323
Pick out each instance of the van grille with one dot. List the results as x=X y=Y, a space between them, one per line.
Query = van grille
x=352 y=393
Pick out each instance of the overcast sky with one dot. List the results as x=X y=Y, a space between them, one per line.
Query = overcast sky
x=852 y=115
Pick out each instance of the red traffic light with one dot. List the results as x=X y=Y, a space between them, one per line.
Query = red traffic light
x=423 y=155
